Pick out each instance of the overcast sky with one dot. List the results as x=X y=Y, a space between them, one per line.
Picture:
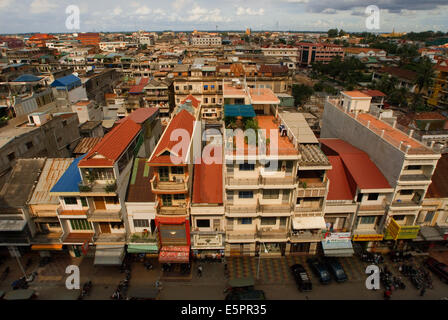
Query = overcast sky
x=19 y=16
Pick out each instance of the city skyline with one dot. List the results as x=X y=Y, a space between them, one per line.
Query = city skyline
x=180 y=15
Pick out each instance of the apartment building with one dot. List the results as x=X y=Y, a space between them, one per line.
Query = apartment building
x=171 y=184
x=206 y=41
x=318 y=52
x=406 y=163
x=112 y=46
x=89 y=38
x=438 y=94
x=43 y=207
x=16 y=228
x=87 y=111
x=207 y=212
x=92 y=195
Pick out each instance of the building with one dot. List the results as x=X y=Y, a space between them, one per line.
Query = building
x=112 y=46
x=87 y=111
x=69 y=89
x=16 y=228
x=171 y=184
x=406 y=163
x=318 y=52
x=89 y=38
x=43 y=207
x=206 y=41
x=438 y=94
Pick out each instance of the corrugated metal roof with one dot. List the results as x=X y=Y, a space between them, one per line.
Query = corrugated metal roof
x=86 y=144
x=70 y=179
x=54 y=168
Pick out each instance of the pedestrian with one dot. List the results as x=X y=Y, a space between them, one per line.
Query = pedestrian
x=158 y=284
x=200 y=270
x=422 y=292
x=387 y=294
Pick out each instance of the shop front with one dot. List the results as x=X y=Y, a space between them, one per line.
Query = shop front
x=208 y=246
x=45 y=250
x=400 y=234
x=337 y=244
x=109 y=255
x=368 y=241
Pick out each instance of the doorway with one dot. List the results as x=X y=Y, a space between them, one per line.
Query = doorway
x=99 y=203
x=105 y=227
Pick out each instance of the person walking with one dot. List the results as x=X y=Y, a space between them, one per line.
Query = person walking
x=422 y=292
x=200 y=271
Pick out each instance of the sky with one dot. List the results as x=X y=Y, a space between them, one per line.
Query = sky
x=24 y=16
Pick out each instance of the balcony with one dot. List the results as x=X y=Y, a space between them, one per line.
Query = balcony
x=47 y=237
x=109 y=238
x=98 y=189
x=242 y=209
x=241 y=235
x=405 y=204
x=414 y=178
x=267 y=233
x=308 y=210
x=177 y=185
x=380 y=208
x=275 y=208
x=311 y=188
x=272 y=181
x=108 y=215
x=142 y=237
x=172 y=210
x=304 y=236
x=241 y=182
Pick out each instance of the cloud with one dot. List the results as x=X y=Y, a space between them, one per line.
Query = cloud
x=180 y=4
x=240 y=11
x=117 y=11
x=42 y=6
x=143 y=11
x=5 y=3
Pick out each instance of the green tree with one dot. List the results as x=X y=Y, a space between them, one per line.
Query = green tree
x=332 y=33
x=342 y=33
x=425 y=74
x=301 y=93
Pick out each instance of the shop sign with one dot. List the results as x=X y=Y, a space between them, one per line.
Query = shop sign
x=368 y=237
x=337 y=237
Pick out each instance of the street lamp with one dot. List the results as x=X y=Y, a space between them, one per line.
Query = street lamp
x=259 y=259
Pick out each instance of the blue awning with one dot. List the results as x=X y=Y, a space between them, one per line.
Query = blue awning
x=68 y=82
x=338 y=248
x=236 y=110
x=27 y=78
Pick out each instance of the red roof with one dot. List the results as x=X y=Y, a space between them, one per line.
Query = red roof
x=195 y=102
x=340 y=188
x=139 y=87
x=112 y=145
x=207 y=186
x=361 y=169
x=439 y=186
x=373 y=93
x=140 y=115
x=182 y=120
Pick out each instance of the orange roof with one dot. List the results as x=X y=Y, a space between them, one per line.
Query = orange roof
x=207 y=186
x=232 y=91
x=182 y=120
x=340 y=188
x=389 y=131
x=361 y=169
x=195 y=102
x=82 y=103
x=263 y=95
x=113 y=144
x=355 y=94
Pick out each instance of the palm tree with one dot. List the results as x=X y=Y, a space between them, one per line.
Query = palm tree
x=425 y=74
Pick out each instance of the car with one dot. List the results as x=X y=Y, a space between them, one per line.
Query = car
x=438 y=268
x=336 y=269
x=320 y=270
x=246 y=295
x=301 y=277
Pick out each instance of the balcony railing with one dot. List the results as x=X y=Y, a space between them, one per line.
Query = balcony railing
x=142 y=237
x=275 y=208
x=95 y=215
x=177 y=185
x=96 y=187
x=110 y=237
x=305 y=236
x=405 y=203
x=240 y=208
x=242 y=182
x=269 y=233
x=414 y=177
x=278 y=181
x=241 y=235
x=172 y=210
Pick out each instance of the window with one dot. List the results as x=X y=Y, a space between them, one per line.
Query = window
x=177 y=170
x=406 y=192
x=359 y=199
x=64 y=123
x=283 y=221
x=11 y=156
x=84 y=202
x=247 y=167
x=271 y=194
x=141 y=223
x=414 y=167
x=399 y=218
x=111 y=200
x=70 y=200
x=245 y=221
x=205 y=100
x=429 y=216
x=268 y=221
x=367 y=220
x=229 y=195
x=80 y=224
x=29 y=145
x=246 y=194
x=203 y=223
x=179 y=196
x=373 y=196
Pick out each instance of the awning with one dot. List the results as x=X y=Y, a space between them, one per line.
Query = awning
x=12 y=225
x=337 y=248
x=143 y=248
x=302 y=223
x=430 y=234
x=48 y=247
x=174 y=254
x=110 y=255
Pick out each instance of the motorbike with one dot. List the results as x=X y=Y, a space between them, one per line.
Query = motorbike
x=148 y=265
x=19 y=284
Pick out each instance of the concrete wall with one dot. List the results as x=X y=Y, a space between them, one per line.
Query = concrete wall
x=337 y=124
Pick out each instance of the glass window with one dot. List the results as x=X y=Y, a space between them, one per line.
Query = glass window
x=246 y=194
x=268 y=221
x=70 y=200
x=84 y=202
x=283 y=221
x=399 y=218
x=203 y=223
x=367 y=220
x=177 y=170
x=247 y=167
x=141 y=223
x=245 y=221
x=179 y=196
x=271 y=194
x=80 y=224
x=429 y=216
x=111 y=200
x=406 y=192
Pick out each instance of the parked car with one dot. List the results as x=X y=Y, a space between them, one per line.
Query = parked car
x=246 y=295
x=336 y=269
x=320 y=270
x=301 y=277
x=243 y=289
x=438 y=268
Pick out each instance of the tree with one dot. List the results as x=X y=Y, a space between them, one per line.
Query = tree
x=332 y=33
x=301 y=93
x=425 y=74
x=342 y=33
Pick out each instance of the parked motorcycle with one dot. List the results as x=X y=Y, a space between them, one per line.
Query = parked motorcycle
x=20 y=284
x=148 y=265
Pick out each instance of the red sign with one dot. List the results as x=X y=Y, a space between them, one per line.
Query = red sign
x=85 y=247
x=174 y=254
